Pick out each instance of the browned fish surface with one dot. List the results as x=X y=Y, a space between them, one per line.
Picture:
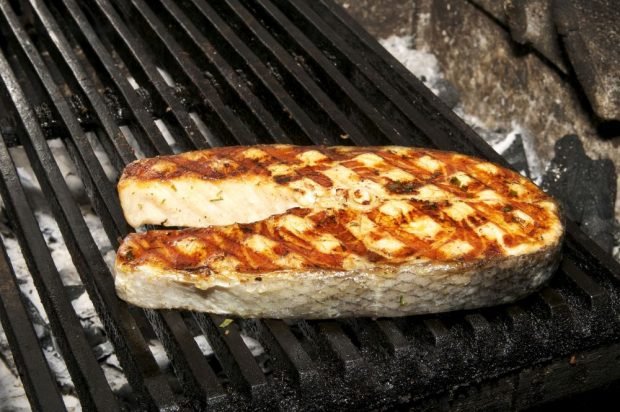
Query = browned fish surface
x=388 y=231
x=244 y=184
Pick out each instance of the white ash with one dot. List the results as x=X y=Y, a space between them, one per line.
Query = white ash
x=102 y=157
x=203 y=344
x=254 y=346
x=12 y=395
x=114 y=375
x=159 y=353
x=422 y=64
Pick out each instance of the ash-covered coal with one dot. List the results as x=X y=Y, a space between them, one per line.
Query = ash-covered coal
x=586 y=187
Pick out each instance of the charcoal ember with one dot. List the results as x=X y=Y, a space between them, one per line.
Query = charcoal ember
x=585 y=187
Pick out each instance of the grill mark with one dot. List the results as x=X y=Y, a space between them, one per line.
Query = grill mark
x=287 y=155
x=450 y=168
x=311 y=256
x=157 y=245
x=408 y=164
x=252 y=260
x=315 y=173
x=218 y=242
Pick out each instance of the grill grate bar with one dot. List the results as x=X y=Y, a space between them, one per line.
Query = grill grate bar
x=185 y=68
x=135 y=54
x=446 y=130
x=140 y=368
x=277 y=337
x=106 y=196
x=554 y=303
x=198 y=379
x=312 y=128
x=334 y=81
x=595 y=294
x=234 y=355
x=93 y=47
x=483 y=336
x=351 y=363
x=292 y=68
x=377 y=335
x=395 y=340
x=236 y=83
x=411 y=123
x=102 y=185
x=39 y=383
x=118 y=148
x=90 y=382
x=440 y=334
x=260 y=129
x=592 y=255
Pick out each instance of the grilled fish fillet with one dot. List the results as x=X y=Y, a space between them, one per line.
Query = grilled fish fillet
x=319 y=232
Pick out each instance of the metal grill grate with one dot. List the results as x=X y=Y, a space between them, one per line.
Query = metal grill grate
x=132 y=74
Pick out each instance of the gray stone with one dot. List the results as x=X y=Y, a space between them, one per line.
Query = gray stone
x=382 y=18
x=503 y=86
x=531 y=23
x=591 y=33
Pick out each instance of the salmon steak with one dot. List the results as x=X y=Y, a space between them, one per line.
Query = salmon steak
x=283 y=231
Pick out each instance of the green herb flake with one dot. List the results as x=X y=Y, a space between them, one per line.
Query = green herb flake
x=455 y=181
x=512 y=193
x=140 y=206
x=508 y=208
x=217 y=197
x=163 y=201
x=173 y=187
x=401 y=300
x=226 y=322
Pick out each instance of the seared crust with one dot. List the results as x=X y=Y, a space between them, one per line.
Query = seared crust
x=390 y=231
x=244 y=184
